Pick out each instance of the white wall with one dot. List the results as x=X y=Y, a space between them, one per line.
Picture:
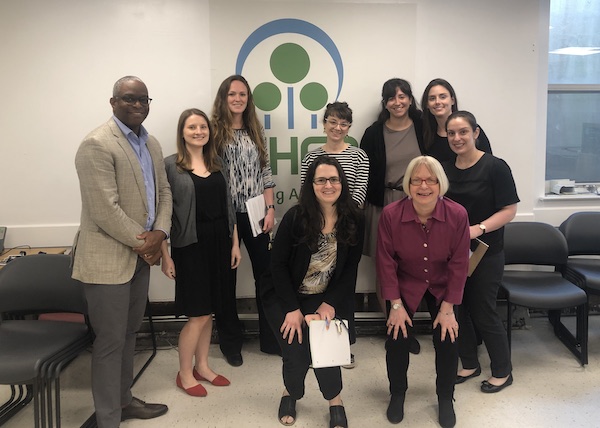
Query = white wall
x=60 y=58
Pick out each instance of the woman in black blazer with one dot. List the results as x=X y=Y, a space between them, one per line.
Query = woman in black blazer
x=313 y=272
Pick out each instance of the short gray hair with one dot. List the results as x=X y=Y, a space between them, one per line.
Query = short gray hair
x=434 y=167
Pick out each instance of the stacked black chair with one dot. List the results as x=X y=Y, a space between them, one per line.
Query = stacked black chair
x=582 y=231
x=533 y=245
x=33 y=352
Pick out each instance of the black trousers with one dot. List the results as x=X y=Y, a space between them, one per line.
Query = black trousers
x=446 y=358
x=477 y=314
x=296 y=356
x=227 y=322
x=229 y=327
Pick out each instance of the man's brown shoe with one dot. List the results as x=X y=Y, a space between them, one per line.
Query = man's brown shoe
x=139 y=409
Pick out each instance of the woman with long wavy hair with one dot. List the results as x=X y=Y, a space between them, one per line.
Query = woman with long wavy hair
x=240 y=140
x=312 y=275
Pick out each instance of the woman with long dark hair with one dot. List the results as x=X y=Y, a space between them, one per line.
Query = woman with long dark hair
x=484 y=185
x=312 y=275
x=390 y=143
x=439 y=101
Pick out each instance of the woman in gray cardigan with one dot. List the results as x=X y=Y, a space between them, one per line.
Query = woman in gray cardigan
x=204 y=247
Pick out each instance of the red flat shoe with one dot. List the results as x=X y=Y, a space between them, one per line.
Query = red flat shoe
x=217 y=381
x=194 y=391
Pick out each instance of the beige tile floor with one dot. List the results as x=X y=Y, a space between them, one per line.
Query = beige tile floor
x=551 y=389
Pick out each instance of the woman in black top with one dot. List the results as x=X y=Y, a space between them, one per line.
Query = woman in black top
x=312 y=276
x=438 y=102
x=204 y=246
x=484 y=185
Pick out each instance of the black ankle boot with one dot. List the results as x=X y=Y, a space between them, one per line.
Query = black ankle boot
x=395 y=411
x=447 y=416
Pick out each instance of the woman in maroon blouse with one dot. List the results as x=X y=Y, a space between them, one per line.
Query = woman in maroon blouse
x=423 y=254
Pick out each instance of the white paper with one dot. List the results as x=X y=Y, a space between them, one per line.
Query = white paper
x=329 y=347
x=256 y=213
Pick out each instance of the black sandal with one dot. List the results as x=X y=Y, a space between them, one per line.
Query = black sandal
x=287 y=407
x=337 y=417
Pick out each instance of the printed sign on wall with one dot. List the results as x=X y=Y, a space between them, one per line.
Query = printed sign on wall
x=298 y=61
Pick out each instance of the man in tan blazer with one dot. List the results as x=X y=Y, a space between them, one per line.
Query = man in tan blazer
x=125 y=215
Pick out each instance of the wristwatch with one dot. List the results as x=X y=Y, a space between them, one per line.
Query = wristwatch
x=482 y=227
x=396 y=306
x=271 y=206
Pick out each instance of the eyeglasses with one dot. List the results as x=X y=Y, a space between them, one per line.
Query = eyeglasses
x=334 y=123
x=320 y=181
x=428 y=181
x=128 y=99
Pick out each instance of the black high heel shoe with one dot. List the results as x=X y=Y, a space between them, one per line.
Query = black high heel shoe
x=337 y=417
x=287 y=407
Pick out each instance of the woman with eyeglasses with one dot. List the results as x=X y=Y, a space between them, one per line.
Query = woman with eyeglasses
x=391 y=142
x=241 y=142
x=439 y=101
x=423 y=255
x=312 y=275
x=337 y=121
x=484 y=185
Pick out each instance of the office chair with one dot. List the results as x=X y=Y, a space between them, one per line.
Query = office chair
x=582 y=231
x=34 y=351
x=531 y=245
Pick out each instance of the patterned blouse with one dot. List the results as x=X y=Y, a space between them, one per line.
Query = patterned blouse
x=247 y=178
x=322 y=265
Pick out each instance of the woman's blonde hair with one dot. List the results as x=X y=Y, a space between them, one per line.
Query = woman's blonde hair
x=434 y=167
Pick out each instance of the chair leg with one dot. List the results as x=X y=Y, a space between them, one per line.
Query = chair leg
x=509 y=309
x=582 y=331
x=57 y=401
x=48 y=391
x=576 y=343
x=11 y=400
x=16 y=402
x=36 y=404
x=7 y=410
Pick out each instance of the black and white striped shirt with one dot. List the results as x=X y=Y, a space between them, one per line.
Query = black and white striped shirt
x=355 y=163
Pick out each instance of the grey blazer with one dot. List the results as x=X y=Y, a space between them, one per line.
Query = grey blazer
x=183 y=231
x=114 y=207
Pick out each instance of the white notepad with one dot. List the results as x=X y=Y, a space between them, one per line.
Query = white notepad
x=329 y=347
x=256 y=213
